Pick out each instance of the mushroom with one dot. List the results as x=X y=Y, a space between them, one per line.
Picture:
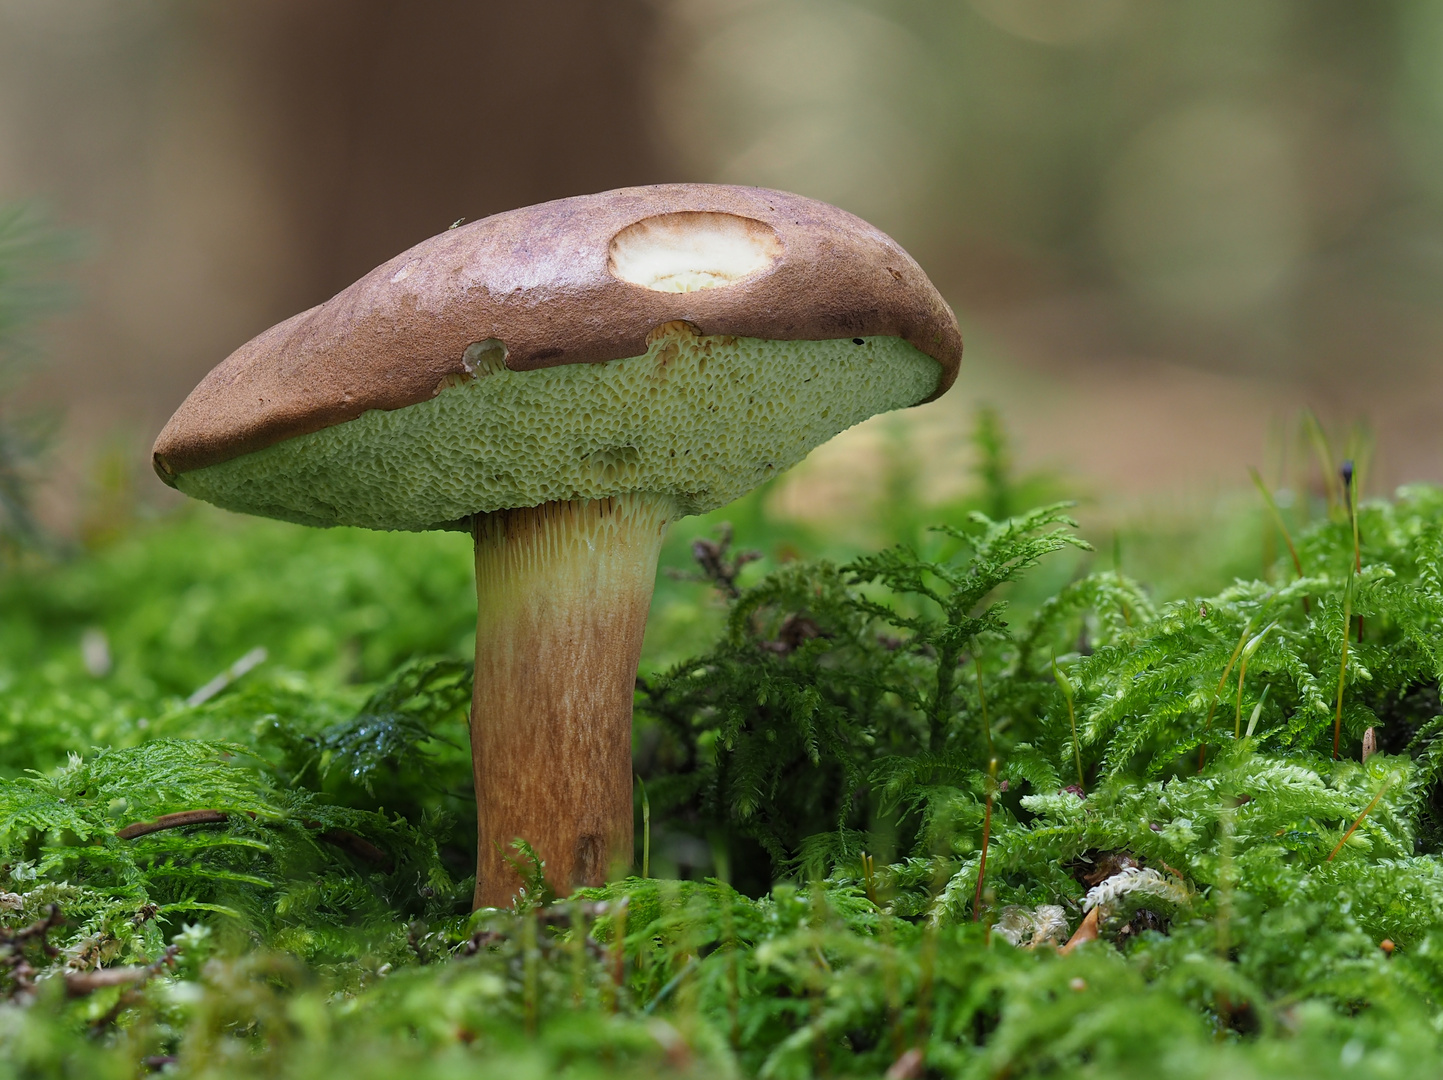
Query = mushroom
x=563 y=381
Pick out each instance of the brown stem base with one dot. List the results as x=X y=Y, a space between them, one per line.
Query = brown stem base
x=563 y=592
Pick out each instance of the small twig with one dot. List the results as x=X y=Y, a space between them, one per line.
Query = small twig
x=716 y=568
x=341 y=838
x=172 y=821
x=12 y=948
x=358 y=846
x=131 y=994
x=1354 y=827
x=1086 y=931
x=81 y=983
x=671 y=985
x=795 y=629
x=249 y=661
x=909 y=1066
x=40 y=928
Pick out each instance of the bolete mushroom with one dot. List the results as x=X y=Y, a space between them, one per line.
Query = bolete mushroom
x=563 y=381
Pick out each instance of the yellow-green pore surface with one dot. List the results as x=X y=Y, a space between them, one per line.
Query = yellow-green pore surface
x=701 y=419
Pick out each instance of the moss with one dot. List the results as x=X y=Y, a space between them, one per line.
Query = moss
x=818 y=784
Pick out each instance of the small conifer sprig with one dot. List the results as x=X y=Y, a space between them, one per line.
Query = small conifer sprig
x=795 y=744
x=867 y=733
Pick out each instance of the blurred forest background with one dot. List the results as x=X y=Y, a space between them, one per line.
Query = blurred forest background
x=1165 y=227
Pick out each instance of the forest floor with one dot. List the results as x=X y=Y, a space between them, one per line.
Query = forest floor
x=979 y=801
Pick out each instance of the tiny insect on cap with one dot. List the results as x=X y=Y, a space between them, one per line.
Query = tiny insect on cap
x=689 y=339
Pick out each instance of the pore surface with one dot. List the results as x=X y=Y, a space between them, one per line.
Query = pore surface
x=701 y=419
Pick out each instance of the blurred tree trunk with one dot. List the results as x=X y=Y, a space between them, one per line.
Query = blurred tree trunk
x=236 y=161
x=389 y=120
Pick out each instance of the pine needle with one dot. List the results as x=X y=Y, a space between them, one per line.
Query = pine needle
x=1359 y=820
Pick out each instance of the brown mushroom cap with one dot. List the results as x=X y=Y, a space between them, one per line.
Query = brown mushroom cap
x=551 y=283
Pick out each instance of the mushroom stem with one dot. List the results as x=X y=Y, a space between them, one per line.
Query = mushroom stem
x=563 y=591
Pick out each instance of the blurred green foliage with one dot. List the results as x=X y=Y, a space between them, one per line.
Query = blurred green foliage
x=1245 y=185
x=30 y=249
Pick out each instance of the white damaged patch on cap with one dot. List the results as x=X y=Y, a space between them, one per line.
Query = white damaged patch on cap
x=689 y=251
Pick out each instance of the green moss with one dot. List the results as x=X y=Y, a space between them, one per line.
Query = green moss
x=825 y=752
